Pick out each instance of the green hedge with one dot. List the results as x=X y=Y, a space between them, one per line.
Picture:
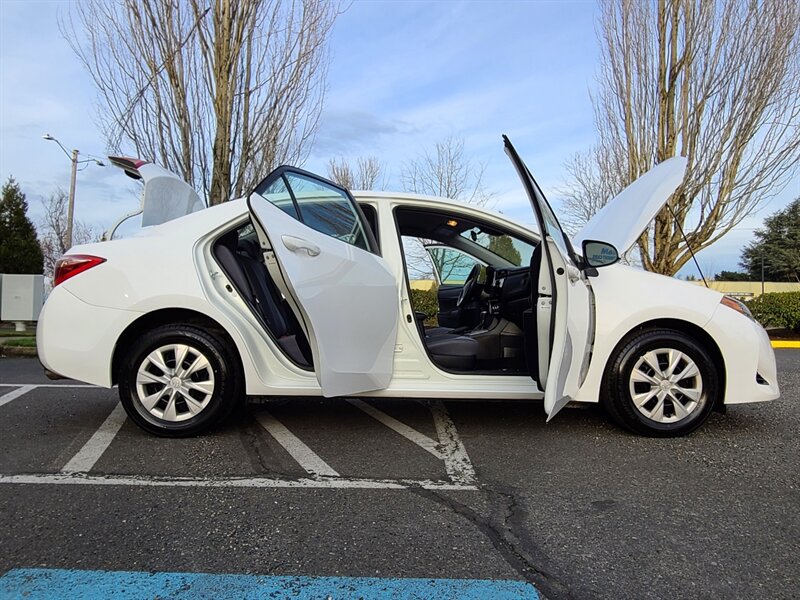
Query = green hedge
x=426 y=301
x=777 y=309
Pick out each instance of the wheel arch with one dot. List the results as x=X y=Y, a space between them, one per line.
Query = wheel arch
x=170 y=316
x=692 y=330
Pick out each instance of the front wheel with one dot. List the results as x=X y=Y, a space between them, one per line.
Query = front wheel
x=178 y=380
x=660 y=383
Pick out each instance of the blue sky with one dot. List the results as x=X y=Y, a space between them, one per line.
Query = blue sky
x=403 y=75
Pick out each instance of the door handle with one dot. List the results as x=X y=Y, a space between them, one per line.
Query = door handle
x=295 y=244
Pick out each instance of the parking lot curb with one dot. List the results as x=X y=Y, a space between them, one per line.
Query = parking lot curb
x=785 y=344
x=17 y=351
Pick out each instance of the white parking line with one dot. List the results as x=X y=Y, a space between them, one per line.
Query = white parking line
x=304 y=455
x=240 y=482
x=449 y=448
x=421 y=440
x=55 y=385
x=92 y=450
x=13 y=394
x=456 y=460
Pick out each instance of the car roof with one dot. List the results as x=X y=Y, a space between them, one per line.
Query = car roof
x=213 y=216
x=382 y=197
x=419 y=200
x=389 y=196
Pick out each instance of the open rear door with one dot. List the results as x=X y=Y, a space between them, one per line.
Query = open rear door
x=565 y=307
x=321 y=253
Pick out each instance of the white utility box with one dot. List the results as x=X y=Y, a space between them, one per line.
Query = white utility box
x=21 y=297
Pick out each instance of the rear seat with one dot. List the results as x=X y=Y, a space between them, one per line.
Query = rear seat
x=243 y=264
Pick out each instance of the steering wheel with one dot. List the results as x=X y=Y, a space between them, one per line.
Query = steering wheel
x=469 y=289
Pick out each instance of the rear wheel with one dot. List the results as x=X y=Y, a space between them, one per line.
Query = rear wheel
x=661 y=383
x=179 y=380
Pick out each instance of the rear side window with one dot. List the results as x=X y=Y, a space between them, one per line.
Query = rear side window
x=328 y=210
x=323 y=207
x=279 y=195
x=371 y=215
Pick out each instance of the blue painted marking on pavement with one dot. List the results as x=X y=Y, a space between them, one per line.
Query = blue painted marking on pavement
x=56 y=584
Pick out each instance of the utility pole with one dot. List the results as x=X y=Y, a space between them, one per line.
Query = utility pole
x=71 y=206
x=762 y=271
x=67 y=242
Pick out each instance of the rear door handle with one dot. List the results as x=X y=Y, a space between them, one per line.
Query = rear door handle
x=295 y=244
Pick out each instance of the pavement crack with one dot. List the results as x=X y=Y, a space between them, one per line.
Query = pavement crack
x=506 y=533
x=256 y=448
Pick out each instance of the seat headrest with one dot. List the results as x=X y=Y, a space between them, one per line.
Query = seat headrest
x=251 y=248
x=229 y=240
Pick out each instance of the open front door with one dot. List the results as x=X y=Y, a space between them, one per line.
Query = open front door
x=565 y=306
x=321 y=253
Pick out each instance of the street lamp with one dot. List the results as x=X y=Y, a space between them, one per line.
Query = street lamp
x=75 y=162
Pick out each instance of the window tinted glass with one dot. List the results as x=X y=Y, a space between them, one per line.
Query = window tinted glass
x=371 y=215
x=514 y=250
x=277 y=193
x=328 y=210
x=554 y=231
x=453 y=266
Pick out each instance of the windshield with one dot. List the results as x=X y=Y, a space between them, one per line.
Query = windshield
x=512 y=249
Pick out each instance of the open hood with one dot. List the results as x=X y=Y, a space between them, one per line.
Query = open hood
x=625 y=218
x=166 y=196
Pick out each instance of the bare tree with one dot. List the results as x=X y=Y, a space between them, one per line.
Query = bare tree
x=716 y=82
x=592 y=185
x=367 y=174
x=447 y=173
x=218 y=92
x=53 y=231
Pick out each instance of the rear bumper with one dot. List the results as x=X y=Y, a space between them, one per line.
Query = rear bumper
x=76 y=340
x=52 y=375
x=751 y=371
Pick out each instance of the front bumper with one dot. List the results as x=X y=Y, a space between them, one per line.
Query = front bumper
x=750 y=368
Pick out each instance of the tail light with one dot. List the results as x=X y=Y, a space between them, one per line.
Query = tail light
x=72 y=264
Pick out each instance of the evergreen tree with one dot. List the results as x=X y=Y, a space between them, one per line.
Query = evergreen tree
x=503 y=245
x=19 y=247
x=734 y=276
x=779 y=245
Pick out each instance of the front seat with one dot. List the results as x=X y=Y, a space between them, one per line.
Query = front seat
x=450 y=351
x=429 y=332
x=447 y=349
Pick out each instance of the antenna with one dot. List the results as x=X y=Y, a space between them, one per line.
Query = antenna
x=683 y=235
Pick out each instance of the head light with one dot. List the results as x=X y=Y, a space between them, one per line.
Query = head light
x=737 y=305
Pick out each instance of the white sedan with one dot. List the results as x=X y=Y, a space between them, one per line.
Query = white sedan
x=302 y=289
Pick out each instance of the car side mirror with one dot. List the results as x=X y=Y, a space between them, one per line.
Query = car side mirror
x=599 y=254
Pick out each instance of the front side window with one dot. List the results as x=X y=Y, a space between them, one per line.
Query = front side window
x=452 y=266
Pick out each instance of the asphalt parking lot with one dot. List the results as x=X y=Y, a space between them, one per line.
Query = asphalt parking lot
x=404 y=491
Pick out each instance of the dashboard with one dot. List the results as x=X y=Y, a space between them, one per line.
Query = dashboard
x=509 y=292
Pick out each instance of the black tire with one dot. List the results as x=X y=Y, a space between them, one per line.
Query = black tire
x=222 y=371
x=617 y=384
